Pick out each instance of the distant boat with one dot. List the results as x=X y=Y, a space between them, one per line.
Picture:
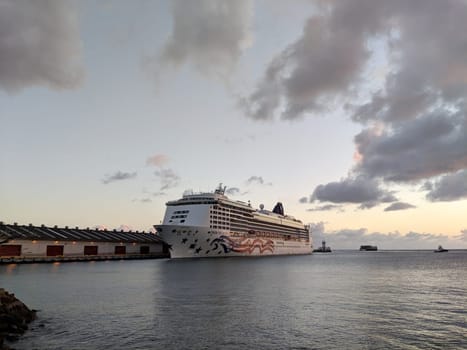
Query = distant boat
x=440 y=250
x=368 y=248
x=323 y=248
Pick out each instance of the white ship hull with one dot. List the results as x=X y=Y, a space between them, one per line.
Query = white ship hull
x=198 y=241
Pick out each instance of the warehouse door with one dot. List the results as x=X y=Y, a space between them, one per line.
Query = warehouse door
x=10 y=250
x=90 y=250
x=144 y=249
x=120 y=249
x=54 y=250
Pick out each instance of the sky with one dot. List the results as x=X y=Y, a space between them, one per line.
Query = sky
x=351 y=113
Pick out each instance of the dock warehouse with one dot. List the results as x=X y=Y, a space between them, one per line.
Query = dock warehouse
x=28 y=243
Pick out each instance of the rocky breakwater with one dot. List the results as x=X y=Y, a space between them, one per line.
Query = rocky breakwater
x=14 y=318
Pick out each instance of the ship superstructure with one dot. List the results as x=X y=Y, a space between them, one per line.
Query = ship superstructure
x=212 y=225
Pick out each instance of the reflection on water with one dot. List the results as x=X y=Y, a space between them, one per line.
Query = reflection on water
x=351 y=300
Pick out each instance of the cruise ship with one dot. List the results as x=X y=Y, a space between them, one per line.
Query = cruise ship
x=212 y=225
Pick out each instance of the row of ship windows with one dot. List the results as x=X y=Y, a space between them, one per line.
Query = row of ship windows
x=231 y=209
x=181 y=212
x=219 y=217
x=213 y=213
x=178 y=216
x=219 y=227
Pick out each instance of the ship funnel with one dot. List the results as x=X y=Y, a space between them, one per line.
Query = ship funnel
x=278 y=209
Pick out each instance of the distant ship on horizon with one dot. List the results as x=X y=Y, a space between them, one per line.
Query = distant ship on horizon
x=323 y=248
x=441 y=250
x=368 y=248
x=212 y=225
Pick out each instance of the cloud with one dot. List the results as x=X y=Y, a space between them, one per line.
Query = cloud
x=324 y=63
x=118 y=176
x=209 y=34
x=421 y=108
x=317 y=228
x=414 y=116
x=142 y=200
x=255 y=179
x=39 y=45
x=124 y=228
x=168 y=178
x=450 y=187
x=399 y=206
x=417 y=149
x=354 y=190
x=157 y=160
x=303 y=200
x=158 y=194
x=232 y=191
x=353 y=238
x=462 y=236
x=331 y=58
x=327 y=207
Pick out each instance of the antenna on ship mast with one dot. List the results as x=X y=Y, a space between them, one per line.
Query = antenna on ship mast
x=220 y=189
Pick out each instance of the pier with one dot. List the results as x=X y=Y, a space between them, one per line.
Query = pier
x=42 y=244
x=45 y=259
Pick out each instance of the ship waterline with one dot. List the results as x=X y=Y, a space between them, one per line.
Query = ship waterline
x=212 y=225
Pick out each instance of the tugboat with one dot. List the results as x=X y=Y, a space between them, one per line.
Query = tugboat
x=323 y=248
x=441 y=250
x=368 y=248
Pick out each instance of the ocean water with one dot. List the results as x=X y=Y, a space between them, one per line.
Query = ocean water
x=342 y=300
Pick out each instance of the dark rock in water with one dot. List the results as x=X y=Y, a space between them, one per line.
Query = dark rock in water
x=14 y=318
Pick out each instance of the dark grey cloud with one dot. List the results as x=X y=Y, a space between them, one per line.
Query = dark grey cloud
x=427 y=63
x=303 y=200
x=417 y=149
x=209 y=34
x=353 y=238
x=450 y=187
x=414 y=117
x=422 y=105
x=168 y=178
x=39 y=45
x=308 y=74
x=118 y=176
x=356 y=190
x=399 y=206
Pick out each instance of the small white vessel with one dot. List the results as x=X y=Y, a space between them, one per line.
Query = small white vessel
x=212 y=225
